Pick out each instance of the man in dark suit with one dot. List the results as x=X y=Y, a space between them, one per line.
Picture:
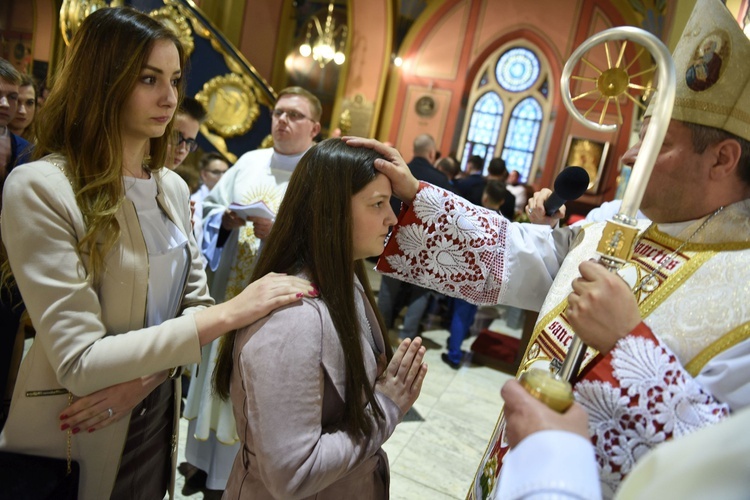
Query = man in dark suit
x=394 y=294
x=423 y=168
x=471 y=187
x=497 y=171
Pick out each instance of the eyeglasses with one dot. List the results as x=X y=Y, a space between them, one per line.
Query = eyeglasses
x=291 y=115
x=191 y=144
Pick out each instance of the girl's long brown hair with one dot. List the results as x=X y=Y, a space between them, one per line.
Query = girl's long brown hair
x=313 y=233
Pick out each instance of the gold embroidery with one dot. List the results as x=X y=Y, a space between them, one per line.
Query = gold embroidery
x=664 y=239
x=248 y=244
x=688 y=261
x=673 y=282
x=540 y=325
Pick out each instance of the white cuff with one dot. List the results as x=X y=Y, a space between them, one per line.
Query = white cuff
x=550 y=465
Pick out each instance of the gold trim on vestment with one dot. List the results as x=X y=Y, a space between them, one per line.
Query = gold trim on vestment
x=728 y=340
x=696 y=255
x=673 y=282
x=699 y=254
x=545 y=321
x=664 y=239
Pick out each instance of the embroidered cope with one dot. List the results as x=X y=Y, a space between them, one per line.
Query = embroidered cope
x=460 y=256
x=641 y=393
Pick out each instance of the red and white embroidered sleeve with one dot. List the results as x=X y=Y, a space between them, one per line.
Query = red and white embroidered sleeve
x=638 y=396
x=445 y=243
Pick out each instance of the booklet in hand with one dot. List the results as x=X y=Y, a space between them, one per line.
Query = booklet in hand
x=255 y=209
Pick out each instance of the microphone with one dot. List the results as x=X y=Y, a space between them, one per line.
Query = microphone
x=570 y=184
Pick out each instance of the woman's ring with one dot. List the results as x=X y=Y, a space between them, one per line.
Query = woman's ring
x=111 y=413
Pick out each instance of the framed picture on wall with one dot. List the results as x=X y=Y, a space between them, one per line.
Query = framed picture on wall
x=589 y=154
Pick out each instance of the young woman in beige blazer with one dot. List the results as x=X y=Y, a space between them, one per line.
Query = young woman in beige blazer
x=315 y=387
x=98 y=238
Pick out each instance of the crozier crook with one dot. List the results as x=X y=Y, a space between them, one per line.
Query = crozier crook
x=618 y=239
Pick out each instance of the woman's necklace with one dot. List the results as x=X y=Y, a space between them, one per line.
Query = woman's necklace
x=649 y=283
x=142 y=173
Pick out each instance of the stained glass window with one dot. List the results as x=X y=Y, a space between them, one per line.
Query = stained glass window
x=483 y=128
x=515 y=79
x=517 y=70
x=522 y=137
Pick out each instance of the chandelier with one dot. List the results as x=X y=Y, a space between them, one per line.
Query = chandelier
x=328 y=43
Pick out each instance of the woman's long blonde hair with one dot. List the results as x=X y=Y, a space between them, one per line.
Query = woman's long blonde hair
x=81 y=118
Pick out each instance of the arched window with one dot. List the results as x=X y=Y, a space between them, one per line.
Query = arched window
x=522 y=136
x=484 y=127
x=516 y=78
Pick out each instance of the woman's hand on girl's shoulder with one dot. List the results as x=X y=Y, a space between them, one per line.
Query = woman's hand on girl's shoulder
x=402 y=380
x=256 y=301
x=267 y=294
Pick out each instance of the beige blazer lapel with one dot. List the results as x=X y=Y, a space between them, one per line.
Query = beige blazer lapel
x=127 y=269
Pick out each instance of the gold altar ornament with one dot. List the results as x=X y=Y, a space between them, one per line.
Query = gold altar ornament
x=171 y=17
x=231 y=104
x=72 y=14
x=345 y=121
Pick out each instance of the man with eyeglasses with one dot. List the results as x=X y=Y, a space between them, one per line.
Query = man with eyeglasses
x=211 y=167
x=187 y=124
x=231 y=245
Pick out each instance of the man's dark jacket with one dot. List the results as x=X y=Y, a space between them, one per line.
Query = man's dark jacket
x=422 y=169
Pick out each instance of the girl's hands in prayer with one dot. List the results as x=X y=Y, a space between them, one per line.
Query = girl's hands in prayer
x=107 y=406
x=402 y=380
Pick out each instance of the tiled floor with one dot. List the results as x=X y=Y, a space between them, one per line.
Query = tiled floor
x=435 y=452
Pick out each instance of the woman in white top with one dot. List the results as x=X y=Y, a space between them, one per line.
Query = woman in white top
x=99 y=241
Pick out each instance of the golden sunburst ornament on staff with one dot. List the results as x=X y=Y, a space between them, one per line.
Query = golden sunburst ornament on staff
x=614 y=81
